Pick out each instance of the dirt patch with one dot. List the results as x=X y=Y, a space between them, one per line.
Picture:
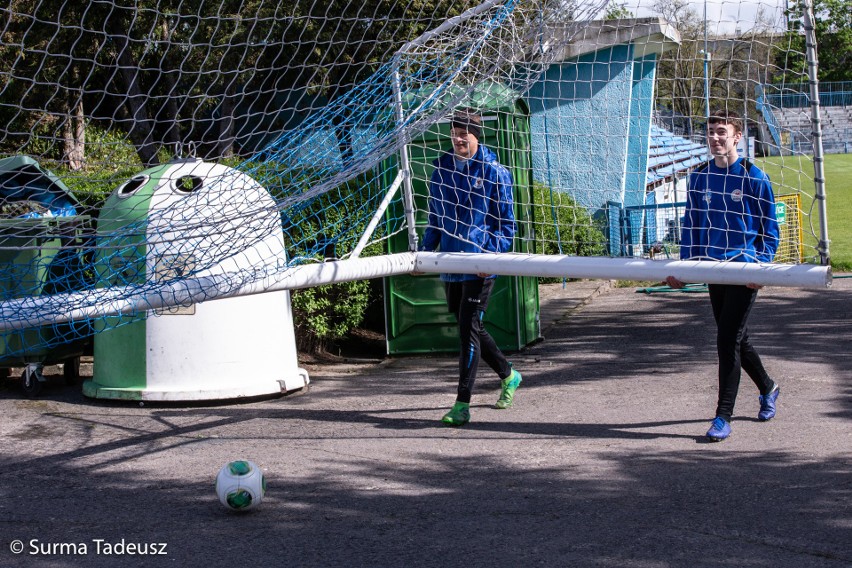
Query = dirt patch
x=359 y=344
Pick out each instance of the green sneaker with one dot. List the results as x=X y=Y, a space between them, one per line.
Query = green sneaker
x=509 y=385
x=458 y=415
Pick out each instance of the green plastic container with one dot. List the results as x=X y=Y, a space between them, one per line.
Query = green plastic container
x=38 y=257
x=160 y=226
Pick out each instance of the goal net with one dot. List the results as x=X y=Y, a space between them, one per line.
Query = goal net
x=168 y=153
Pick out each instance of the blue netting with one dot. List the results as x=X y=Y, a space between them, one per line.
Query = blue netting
x=320 y=183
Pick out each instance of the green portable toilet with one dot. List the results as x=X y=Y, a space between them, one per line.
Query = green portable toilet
x=416 y=317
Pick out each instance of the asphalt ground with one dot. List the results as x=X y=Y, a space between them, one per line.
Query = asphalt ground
x=601 y=462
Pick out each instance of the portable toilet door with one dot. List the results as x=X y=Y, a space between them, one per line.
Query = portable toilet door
x=416 y=316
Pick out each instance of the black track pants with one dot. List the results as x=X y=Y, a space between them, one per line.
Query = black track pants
x=468 y=301
x=731 y=307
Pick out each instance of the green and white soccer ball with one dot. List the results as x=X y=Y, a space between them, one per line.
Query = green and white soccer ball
x=240 y=485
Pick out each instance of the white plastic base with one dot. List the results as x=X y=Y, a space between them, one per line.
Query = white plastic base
x=267 y=387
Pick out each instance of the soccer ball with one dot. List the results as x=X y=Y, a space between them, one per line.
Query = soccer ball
x=240 y=485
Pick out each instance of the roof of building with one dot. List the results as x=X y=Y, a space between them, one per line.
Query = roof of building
x=572 y=39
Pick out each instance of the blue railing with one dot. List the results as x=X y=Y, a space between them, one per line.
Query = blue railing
x=797 y=95
x=766 y=110
x=634 y=228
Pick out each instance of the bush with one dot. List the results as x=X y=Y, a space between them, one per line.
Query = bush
x=110 y=161
x=327 y=313
x=327 y=227
x=574 y=232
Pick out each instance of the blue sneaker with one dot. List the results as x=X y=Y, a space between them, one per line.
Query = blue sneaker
x=767 y=404
x=719 y=429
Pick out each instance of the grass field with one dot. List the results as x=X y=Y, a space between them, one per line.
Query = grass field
x=791 y=173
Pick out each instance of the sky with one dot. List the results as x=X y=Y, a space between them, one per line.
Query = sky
x=724 y=16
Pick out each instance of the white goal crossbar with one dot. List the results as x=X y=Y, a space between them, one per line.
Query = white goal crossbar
x=562 y=266
x=132 y=300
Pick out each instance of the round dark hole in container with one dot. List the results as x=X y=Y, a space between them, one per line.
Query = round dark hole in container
x=131 y=185
x=188 y=184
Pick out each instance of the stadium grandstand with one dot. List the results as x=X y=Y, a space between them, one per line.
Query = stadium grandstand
x=786 y=111
x=670 y=159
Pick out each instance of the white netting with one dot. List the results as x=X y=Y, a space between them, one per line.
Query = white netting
x=305 y=107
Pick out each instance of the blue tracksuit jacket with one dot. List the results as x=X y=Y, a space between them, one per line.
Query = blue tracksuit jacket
x=730 y=215
x=470 y=210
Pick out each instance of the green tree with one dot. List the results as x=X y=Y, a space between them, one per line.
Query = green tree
x=735 y=64
x=617 y=11
x=43 y=80
x=222 y=74
x=833 y=30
